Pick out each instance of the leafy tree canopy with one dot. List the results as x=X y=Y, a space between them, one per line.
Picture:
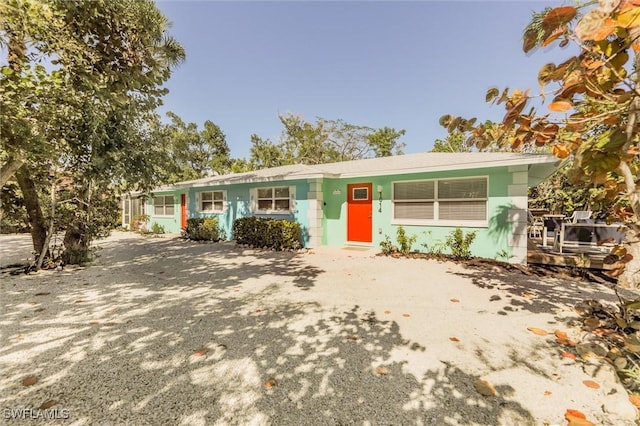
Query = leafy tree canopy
x=593 y=110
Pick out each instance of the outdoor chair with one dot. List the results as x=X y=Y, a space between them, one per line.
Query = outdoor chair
x=535 y=225
x=579 y=215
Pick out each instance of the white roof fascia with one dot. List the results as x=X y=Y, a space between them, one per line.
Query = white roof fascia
x=257 y=180
x=458 y=166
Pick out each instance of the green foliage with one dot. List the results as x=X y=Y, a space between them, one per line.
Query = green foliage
x=437 y=247
x=387 y=247
x=13 y=217
x=384 y=142
x=323 y=141
x=79 y=90
x=191 y=153
x=156 y=229
x=278 y=234
x=203 y=229
x=454 y=142
x=460 y=243
x=559 y=195
x=405 y=243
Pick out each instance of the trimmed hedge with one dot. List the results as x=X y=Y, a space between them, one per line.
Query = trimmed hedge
x=203 y=229
x=278 y=234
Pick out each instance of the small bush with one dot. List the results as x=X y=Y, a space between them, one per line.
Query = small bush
x=460 y=243
x=405 y=242
x=203 y=229
x=157 y=229
x=278 y=234
x=386 y=246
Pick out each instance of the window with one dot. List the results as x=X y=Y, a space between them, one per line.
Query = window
x=277 y=199
x=163 y=205
x=443 y=200
x=361 y=194
x=212 y=202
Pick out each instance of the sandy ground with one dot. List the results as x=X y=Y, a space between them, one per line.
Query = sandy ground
x=164 y=331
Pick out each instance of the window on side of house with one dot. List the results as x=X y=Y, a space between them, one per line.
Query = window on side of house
x=414 y=200
x=462 y=199
x=163 y=205
x=446 y=201
x=277 y=199
x=212 y=201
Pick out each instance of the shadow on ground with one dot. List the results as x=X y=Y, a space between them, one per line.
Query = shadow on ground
x=208 y=343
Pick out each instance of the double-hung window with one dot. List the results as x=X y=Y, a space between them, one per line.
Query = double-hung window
x=276 y=199
x=211 y=201
x=163 y=205
x=441 y=201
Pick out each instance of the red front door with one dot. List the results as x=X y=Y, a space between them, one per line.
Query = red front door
x=183 y=211
x=359 y=213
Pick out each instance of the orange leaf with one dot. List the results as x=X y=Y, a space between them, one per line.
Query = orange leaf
x=558 y=16
x=560 y=106
x=382 y=371
x=568 y=355
x=538 y=331
x=406 y=315
x=454 y=339
x=635 y=400
x=595 y=25
x=557 y=33
x=48 y=404
x=200 y=352
x=387 y=312
x=560 y=334
x=574 y=413
x=270 y=383
x=455 y=300
x=30 y=380
x=591 y=384
x=547 y=393
x=560 y=151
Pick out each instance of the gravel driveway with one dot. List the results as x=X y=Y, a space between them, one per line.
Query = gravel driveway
x=162 y=331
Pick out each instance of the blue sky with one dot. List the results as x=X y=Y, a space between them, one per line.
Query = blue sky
x=397 y=64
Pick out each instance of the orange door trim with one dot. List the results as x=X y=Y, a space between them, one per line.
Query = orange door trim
x=183 y=211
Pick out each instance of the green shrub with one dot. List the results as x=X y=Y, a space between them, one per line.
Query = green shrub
x=386 y=246
x=460 y=243
x=405 y=242
x=203 y=229
x=278 y=234
x=156 y=228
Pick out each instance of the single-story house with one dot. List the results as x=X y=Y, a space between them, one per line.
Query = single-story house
x=360 y=202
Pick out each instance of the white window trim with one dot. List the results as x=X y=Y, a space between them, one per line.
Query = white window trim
x=214 y=211
x=292 y=200
x=436 y=206
x=164 y=206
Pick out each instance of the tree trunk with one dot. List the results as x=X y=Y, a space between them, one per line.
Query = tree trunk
x=9 y=169
x=77 y=239
x=34 y=211
x=630 y=278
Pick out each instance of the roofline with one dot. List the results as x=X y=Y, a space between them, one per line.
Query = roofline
x=538 y=159
x=525 y=160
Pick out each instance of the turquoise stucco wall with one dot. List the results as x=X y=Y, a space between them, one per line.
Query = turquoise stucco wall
x=491 y=240
x=239 y=204
x=170 y=224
